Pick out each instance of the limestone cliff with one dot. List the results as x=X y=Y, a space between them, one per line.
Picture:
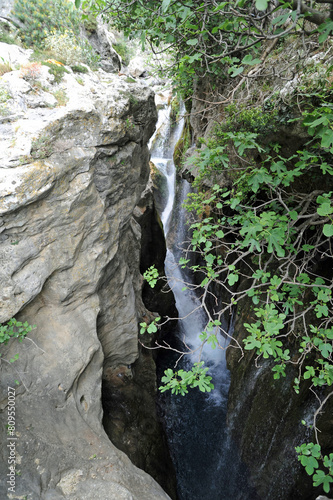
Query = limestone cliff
x=70 y=178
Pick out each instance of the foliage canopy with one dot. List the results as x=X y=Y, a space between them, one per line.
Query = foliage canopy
x=207 y=36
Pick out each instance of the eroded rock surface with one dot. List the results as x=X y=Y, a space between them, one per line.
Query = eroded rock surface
x=70 y=178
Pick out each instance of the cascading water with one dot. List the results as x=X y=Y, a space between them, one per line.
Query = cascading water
x=206 y=463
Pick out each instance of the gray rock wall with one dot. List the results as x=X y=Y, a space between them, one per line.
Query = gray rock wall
x=70 y=178
x=5 y=7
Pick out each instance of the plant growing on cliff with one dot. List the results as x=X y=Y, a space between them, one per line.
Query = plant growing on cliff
x=40 y=18
x=269 y=227
x=56 y=68
x=151 y=276
x=263 y=231
x=65 y=45
x=4 y=98
x=14 y=329
x=212 y=38
x=31 y=72
x=54 y=24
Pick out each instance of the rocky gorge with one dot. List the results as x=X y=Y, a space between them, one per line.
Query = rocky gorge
x=78 y=228
x=71 y=178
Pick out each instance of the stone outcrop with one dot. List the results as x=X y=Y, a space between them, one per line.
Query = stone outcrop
x=102 y=41
x=70 y=178
x=5 y=7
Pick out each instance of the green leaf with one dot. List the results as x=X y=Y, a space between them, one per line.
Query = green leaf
x=233 y=71
x=248 y=60
x=232 y=279
x=327 y=138
x=252 y=344
x=325 y=209
x=328 y=230
x=325 y=349
x=165 y=5
x=77 y=3
x=192 y=41
x=261 y=4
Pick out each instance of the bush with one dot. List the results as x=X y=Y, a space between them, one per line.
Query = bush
x=125 y=51
x=5 y=67
x=31 y=72
x=54 y=24
x=56 y=69
x=65 y=46
x=41 y=17
x=78 y=68
x=4 y=98
x=7 y=35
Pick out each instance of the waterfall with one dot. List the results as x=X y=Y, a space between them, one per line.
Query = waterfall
x=206 y=463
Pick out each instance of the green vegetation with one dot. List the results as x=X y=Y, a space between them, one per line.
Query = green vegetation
x=268 y=225
x=78 y=68
x=211 y=39
x=56 y=69
x=41 y=148
x=14 y=329
x=53 y=26
x=125 y=51
x=7 y=37
x=151 y=275
x=5 y=67
x=42 y=17
x=4 y=98
x=258 y=229
x=179 y=382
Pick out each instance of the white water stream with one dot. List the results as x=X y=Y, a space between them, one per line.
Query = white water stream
x=206 y=464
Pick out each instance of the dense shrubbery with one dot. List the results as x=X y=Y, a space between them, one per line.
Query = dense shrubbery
x=54 y=25
x=42 y=17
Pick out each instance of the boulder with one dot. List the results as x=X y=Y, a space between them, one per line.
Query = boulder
x=14 y=55
x=137 y=67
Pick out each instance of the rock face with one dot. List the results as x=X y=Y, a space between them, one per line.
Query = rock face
x=5 y=7
x=101 y=40
x=129 y=393
x=70 y=179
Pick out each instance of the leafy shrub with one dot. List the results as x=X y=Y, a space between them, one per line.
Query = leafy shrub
x=31 y=72
x=89 y=21
x=41 y=17
x=41 y=148
x=61 y=97
x=6 y=35
x=125 y=51
x=65 y=46
x=253 y=119
x=78 y=68
x=56 y=68
x=54 y=24
x=14 y=329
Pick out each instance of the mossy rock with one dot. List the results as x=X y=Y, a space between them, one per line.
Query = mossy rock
x=182 y=145
x=160 y=188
